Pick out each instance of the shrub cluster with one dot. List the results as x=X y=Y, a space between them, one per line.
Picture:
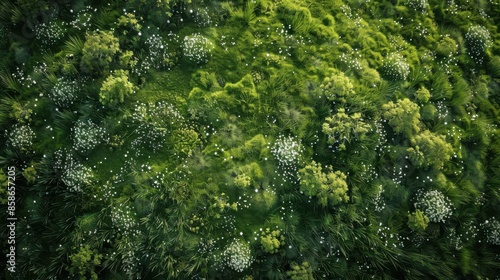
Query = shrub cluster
x=238 y=256
x=87 y=135
x=396 y=68
x=21 y=137
x=434 y=205
x=478 y=41
x=64 y=92
x=197 y=48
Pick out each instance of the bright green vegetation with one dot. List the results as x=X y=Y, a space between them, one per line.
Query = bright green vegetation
x=259 y=139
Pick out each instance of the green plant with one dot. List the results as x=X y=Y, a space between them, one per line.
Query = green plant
x=300 y=272
x=403 y=116
x=478 y=41
x=115 y=88
x=330 y=188
x=271 y=241
x=84 y=263
x=417 y=221
x=98 y=52
x=342 y=128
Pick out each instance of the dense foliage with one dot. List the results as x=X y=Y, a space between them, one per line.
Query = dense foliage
x=251 y=139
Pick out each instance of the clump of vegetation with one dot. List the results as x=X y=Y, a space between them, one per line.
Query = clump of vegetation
x=98 y=52
x=251 y=139
x=271 y=241
x=330 y=188
x=197 y=48
x=115 y=88
x=417 y=221
x=478 y=41
x=403 y=116
x=436 y=207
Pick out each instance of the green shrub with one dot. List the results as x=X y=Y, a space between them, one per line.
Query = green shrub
x=395 y=67
x=330 y=188
x=403 y=116
x=115 y=88
x=478 y=41
x=98 y=52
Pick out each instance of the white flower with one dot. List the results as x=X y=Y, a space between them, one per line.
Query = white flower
x=197 y=48
x=238 y=256
x=64 y=92
x=21 y=136
x=87 y=135
x=77 y=177
x=491 y=229
x=435 y=205
x=396 y=67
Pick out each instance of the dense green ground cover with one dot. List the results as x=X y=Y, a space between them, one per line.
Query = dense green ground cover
x=260 y=139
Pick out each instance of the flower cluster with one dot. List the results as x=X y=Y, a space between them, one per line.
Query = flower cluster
x=23 y=79
x=148 y=136
x=157 y=51
x=87 y=135
x=238 y=256
x=160 y=114
x=287 y=151
x=378 y=200
x=197 y=48
x=63 y=160
x=124 y=220
x=49 y=34
x=65 y=92
x=21 y=137
x=77 y=176
x=82 y=18
x=434 y=204
x=155 y=121
x=478 y=40
x=491 y=229
x=130 y=264
x=201 y=17
x=396 y=68
x=418 y=5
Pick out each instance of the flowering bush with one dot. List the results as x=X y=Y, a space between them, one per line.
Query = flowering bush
x=65 y=92
x=492 y=231
x=124 y=219
x=238 y=256
x=287 y=151
x=418 y=5
x=396 y=68
x=87 y=135
x=478 y=40
x=155 y=121
x=77 y=176
x=21 y=137
x=82 y=18
x=49 y=34
x=197 y=48
x=434 y=205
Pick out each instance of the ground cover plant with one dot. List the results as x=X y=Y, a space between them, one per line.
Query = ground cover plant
x=250 y=139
